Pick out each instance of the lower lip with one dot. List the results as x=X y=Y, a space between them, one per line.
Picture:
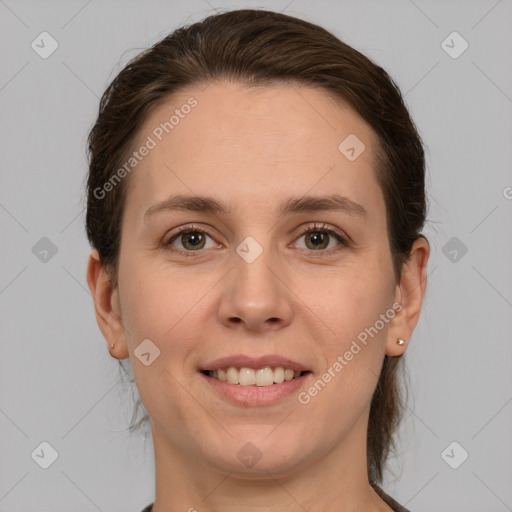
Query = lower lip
x=255 y=395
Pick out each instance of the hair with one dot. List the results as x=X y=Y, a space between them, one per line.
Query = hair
x=263 y=48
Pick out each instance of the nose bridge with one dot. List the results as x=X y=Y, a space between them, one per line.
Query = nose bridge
x=254 y=293
x=254 y=282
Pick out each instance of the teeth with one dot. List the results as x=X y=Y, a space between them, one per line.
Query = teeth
x=249 y=377
x=232 y=375
x=246 y=377
x=264 y=377
x=278 y=375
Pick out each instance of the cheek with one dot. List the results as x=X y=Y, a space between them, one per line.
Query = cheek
x=352 y=356
x=156 y=304
x=165 y=313
x=350 y=302
x=356 y=307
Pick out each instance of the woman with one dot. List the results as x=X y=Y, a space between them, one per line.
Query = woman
x=255 y=201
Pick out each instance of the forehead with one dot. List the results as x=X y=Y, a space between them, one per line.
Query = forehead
x=252 y=146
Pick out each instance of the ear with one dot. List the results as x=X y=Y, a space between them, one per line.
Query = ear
x=107 y=307
x=409 y=293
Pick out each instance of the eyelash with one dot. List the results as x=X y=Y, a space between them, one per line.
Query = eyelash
x=316 y=228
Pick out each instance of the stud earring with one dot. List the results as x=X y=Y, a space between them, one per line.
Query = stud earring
x=400 y=341
x=112 y=346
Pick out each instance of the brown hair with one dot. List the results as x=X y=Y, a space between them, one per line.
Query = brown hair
x=258 y=48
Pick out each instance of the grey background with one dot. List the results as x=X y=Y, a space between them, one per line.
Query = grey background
x=57 y=381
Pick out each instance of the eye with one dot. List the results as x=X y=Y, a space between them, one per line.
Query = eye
x=190 y=238
x=319 y=237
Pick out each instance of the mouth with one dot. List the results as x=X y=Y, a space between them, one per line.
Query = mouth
x=260 y=377
x=247 y=381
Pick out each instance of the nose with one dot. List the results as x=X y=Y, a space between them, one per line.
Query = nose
x=255 y=296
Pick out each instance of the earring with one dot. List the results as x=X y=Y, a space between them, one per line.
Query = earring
x=400 y=341
x=112 y=346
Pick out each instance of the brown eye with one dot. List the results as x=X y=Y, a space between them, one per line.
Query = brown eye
x=190 y=239
x=318 y=239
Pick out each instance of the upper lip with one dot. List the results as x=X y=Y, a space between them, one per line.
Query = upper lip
x=244 y=361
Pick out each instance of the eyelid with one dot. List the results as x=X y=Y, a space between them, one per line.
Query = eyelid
x=185 y=229
x=343 y=239
x=188 y=228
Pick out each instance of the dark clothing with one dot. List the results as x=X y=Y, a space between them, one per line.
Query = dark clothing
x=388 y=499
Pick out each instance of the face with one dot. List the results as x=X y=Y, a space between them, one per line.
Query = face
x=284 y=263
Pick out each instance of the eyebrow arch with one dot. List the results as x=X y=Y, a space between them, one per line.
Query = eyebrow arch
x=335 y=202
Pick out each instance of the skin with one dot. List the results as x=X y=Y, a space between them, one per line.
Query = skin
x=253 y=149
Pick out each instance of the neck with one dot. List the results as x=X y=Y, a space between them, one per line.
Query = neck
x=333 y=481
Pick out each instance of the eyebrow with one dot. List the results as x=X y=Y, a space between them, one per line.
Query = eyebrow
x=307 y=204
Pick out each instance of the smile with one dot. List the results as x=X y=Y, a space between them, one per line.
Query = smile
x=261 y=377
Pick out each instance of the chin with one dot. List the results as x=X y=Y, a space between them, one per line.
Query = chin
x=255 y=454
